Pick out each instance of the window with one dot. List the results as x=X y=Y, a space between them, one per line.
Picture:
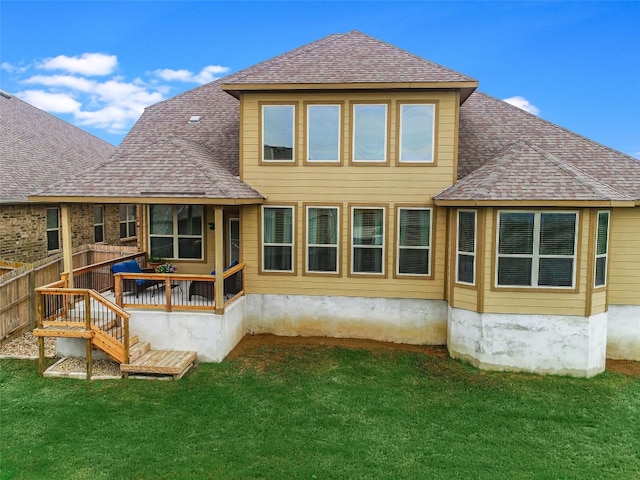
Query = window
x=175 y=231
x=53 y=229
x=602 y=249
x=278 y=133
x=322 y=239
x=414 y=241
x=466 y=249
x=234 y=240
x=98 y=223
x=323 y=133
x=417 y=132
x=536 y=249
x=367 y=240
x=277 y=239
x=127 y=221
x=369 y=133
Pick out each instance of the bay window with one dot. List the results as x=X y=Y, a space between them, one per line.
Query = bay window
x=466 y=247
x=277 y=239
x=175 y=231
x=367 y=240
x=536 y=249
x=414 y=241
x=602 y=249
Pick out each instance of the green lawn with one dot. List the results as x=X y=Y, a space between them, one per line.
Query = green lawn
x=306 y=412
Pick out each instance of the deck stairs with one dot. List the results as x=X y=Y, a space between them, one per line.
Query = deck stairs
x=107 y=336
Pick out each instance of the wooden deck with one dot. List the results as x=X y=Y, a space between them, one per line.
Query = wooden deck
x=161 y=362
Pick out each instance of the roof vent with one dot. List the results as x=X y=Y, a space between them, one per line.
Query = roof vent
x=194 y=119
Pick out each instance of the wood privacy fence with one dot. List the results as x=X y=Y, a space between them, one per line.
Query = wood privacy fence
x=17 y=286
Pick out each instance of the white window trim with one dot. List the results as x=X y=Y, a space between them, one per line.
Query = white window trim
x=353 y=132
x=535 y=256
x=126 y=222
x=467 y=254
x=422 y=247
x=382 y=247
x=602 y=255
x=291 y=244
x=323 y=245
x=293 y=133
x=433 y=133
x=177 y=237
x=336 y=160
x=101 y=225
x=57 y=209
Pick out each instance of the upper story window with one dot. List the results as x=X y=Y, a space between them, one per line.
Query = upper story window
x=417 y=132
x=466 y=247
x=536 y=249
x=277 y=239
x=127 y=221
x=53 y=229
x=98 y=223
x=323 y=232
x=602 y=249
x=175 y=231
x=323 y=133
x=278 y=133
x=414 y=241
x=367 y=240
x=370 y=133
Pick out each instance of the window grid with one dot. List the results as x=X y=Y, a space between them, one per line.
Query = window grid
x=602 y=249
x=98 y=224
x=408 y=246
x=466 y=247
x=53 y=229
x=178 y=238
x=127 y=221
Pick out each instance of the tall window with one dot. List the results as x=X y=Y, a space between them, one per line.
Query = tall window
x=127 y=221
x=278 y=133
x=367 y=240
x=98 y=223
x=175 y=231
x=369 y=133
x=277 y=239
x=536 y=249
x=323 y=133
x=466 y=249
x=322 y=239
x=53 y=229
x=234 y=240
x=414 y=241
x=602 y=249
x=417 y=132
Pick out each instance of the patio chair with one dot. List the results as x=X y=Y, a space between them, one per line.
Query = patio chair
x=134 y=285
x=205 y=289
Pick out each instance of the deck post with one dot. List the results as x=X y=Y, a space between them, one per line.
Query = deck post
x=39 y=313
x=218 y=293
x=67 y=245
x=87 y=316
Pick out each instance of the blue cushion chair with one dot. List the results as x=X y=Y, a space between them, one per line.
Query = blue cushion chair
x=232 y=285
x=137 y=285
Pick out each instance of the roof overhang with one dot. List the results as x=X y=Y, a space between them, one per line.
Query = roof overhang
x=182 y=200
x=536 y=203
x=465 y=88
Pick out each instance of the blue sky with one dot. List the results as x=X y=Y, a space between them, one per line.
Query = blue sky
x=97 y=64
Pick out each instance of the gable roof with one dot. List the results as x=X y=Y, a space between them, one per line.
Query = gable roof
x=38 y=149
x=505 y=153
x=351 y=58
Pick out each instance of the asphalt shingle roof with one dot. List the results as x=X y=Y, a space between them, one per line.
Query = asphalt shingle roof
x=38 y=149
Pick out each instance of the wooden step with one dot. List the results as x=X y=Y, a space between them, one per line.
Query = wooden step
x=105 y=324
x=161 y=362
x=138 y=350
x=69 y=330
x=133 y=339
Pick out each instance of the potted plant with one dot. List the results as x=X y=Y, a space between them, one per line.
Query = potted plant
x=166 y=268
x=154 y=262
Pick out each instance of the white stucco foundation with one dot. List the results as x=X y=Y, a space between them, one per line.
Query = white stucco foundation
x=557 y=344
x=385 y=319
x=623 y=332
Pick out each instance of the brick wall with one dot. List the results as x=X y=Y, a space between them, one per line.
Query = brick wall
x=23 y=232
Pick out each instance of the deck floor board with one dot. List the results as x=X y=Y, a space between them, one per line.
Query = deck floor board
x=165 y=362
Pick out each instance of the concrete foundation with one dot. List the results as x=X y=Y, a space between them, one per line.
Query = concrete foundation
x=623 y=332
x=556 y=344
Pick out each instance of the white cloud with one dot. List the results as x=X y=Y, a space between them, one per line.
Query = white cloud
x=206 y=75
x=13 y=68
x=523 y=103
x=50 y=102
x=86 y=64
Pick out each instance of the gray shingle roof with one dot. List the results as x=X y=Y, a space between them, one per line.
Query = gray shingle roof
x=558 y=165
x=38 y=149
x=345 y=58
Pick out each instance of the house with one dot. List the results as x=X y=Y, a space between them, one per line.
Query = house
x=371 y=193
x=37 y=151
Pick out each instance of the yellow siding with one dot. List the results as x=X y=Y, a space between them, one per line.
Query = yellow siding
x=599 y=302
x=466 y=298
x=624 y=257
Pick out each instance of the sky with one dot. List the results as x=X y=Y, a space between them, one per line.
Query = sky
x=98 y=64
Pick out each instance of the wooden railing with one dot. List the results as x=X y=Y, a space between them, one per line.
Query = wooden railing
x=171 y=291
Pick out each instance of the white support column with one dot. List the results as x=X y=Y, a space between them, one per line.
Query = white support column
x=67 y=245
x=219 y=259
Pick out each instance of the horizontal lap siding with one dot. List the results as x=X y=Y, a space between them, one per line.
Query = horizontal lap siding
x=466 y=298
x=344 y=185
x=624 y=257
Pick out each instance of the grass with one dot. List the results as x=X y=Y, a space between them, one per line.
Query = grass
x=306 y=412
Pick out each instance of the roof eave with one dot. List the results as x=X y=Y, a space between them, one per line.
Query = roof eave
x=602 y=203
x=183 y=200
